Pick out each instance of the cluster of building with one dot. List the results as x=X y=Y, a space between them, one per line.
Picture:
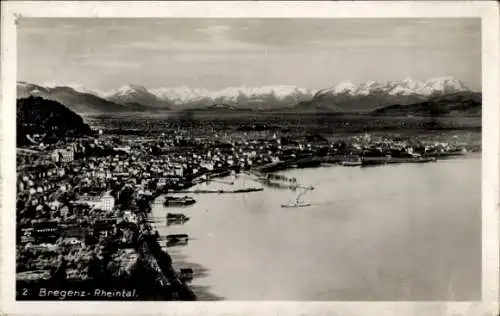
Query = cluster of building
x=81 y=206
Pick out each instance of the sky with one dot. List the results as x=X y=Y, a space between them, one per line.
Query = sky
x=104 y=54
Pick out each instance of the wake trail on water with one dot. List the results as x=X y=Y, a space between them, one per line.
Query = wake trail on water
x=323 y=203
x=339 y=202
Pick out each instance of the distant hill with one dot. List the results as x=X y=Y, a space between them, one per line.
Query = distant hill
x=314 y=105
x=457 y=104
x=79 y=102
x=36 y=115
x=221 y=106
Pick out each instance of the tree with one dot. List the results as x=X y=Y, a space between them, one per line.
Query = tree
x=125 y=197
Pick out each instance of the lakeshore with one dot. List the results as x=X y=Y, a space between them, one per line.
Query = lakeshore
x=385 y=223
x=84 y=210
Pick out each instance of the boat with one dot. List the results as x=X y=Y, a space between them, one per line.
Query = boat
x=176 y=218
x=452 y=153
x=352 y=162
x=177 y=239
x=178 y=201
x=425 y=159
x=297 y=202
x=295 y=205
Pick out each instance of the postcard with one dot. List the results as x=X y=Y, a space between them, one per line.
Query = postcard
x=250 y=158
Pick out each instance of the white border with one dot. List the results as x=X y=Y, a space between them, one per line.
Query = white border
x=487 y=10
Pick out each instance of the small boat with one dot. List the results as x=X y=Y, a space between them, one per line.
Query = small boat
x=348 y=163
x=295 y=205
x=176 y=216
x=176 y=243
x=425 y=159
x=297 y=202
x=178 y=201
x=177 y=239
x=173 y=218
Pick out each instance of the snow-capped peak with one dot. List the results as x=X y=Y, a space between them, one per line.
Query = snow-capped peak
x=186 y=94
x=126 y=90
x=407 y=86
x=345 y=87
x=444 y=84
x=201 y=96
x=410 y=84
x=401 y=90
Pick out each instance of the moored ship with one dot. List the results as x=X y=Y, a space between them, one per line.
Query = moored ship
x=296 y=204
x=424 y=159
x=177 y=240
x=173 y=218
x=178 y=201
x=354 y=161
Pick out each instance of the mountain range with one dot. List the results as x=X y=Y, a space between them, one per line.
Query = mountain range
x=347 y=97
x=344 y=97
x=183 y=97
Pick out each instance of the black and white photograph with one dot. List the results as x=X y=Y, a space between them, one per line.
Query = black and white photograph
x=248 y=159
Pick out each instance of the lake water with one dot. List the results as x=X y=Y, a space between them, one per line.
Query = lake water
x=397 y=232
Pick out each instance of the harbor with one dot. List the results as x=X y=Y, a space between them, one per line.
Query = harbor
x=340 y=208
x=99 y=206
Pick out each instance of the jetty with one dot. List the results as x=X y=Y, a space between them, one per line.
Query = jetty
x=275 y=180
x=375 y=161
x=244 y=190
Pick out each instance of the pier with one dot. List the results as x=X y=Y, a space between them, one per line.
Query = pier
x=245 y=190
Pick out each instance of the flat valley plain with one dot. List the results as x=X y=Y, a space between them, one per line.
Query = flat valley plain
x=463 y=129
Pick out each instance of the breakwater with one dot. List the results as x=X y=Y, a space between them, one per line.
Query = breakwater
x=247 y=190
x=371 y=161
x=296 y=163
x=338 y=160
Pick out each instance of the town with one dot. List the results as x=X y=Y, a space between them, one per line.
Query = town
x=83 y=204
